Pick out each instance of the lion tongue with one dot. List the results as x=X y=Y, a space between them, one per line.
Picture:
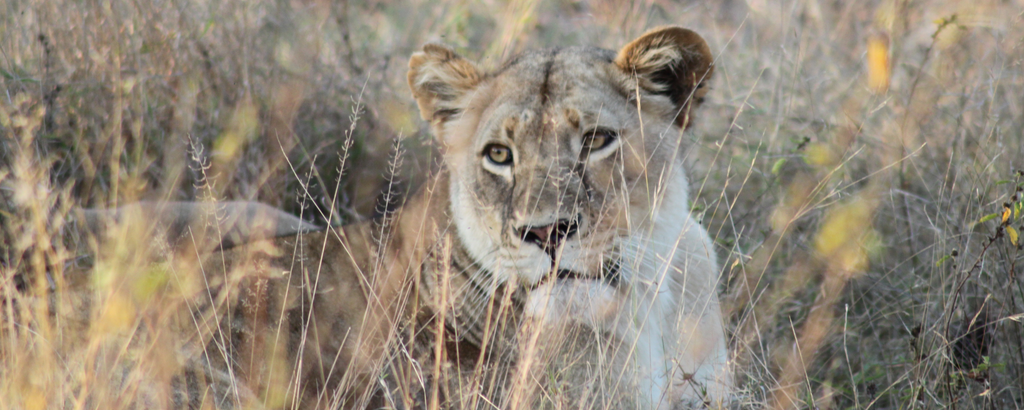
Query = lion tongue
x=543 y=232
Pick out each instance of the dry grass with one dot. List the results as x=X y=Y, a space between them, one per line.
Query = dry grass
x=844 y=163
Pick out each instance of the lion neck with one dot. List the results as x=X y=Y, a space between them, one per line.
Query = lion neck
x=452 y=292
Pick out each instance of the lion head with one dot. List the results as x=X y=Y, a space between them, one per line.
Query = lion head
x=561 y=156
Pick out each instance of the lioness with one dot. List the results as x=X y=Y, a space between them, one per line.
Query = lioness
x=553 y=253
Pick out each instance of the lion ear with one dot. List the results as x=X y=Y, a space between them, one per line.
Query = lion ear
x=670 y=61
x=438 y=78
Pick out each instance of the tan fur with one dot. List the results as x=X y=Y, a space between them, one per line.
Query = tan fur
x=445 y=303
x=631 y=204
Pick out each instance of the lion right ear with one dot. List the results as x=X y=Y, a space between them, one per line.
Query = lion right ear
x=439 y=78
x=670 y=61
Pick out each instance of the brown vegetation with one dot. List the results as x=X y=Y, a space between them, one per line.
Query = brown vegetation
x=853 y=160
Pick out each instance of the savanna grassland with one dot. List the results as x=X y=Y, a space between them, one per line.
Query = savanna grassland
x=859 y=165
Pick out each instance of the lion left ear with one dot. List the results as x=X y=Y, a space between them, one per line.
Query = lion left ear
x=670 y=61
x=438 y=78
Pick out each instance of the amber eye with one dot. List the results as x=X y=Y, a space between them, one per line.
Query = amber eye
x=498 y=154
x=598 y=139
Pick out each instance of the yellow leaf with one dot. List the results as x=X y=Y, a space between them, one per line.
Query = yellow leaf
x=150 y=282
x=242 y=128
x=821 y=154
x=852 y=258
x=949 y=36
x=846 y=235
x=1007 y=213
x=278 y=377
x=878 y=64
x=1014 y=236
x=118 y=315
x=35 y=399
x=885 y=15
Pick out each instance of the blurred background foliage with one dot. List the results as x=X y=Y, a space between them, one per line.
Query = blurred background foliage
x=845 y=160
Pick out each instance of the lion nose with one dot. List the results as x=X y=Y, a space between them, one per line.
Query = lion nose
x=549 y=237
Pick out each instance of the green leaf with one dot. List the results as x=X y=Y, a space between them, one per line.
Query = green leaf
x=943 y=259
x=207 y=27
x=778 y=166
x=989 y=217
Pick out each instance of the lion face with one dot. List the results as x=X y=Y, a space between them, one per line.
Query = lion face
x=562 y=157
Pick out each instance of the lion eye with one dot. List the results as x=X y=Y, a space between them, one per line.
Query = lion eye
x=598 y=139
x=498 y=154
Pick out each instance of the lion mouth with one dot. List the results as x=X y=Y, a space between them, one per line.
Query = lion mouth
x=609 y=274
